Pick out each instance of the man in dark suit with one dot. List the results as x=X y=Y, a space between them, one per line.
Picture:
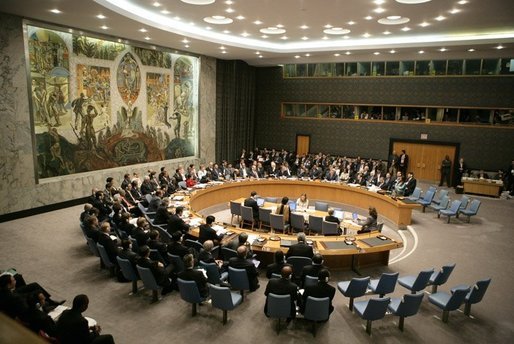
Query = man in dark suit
x=155 y=243
x=127 y=253
x=99 y=203
x=155 y=202
x=313 y=269
x=73 y=328
x=106 y=241
x=162 y=215
x=92 y=229
x=403 y=162
x=161 y=274
x=240 y=262
x=410 y=184
x=189 y=274
x=321 y=290
x=301 y=248
x=140 y=233
x=208 y=233
x=242 y=239
x=176 y=223
x=252 y=203
x=283 y=286
x=276 y=267
x=175 y=247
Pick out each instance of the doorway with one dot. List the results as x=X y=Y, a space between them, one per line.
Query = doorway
x=303 y=144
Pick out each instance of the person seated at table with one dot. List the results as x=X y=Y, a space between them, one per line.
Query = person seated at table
x=176 y=248
x=302 y=203
x=276 y=267
x=482 y=175
x=321 y=290
x=190 y=274
x=242 y=262
x=331 y=175
x=242 y=239
x=283 y=286
x=208 y=233
x=301 y=248
x=163 y=214
x=313 y=269
x=176 y=223
x=161 y=274
x=370 y=223
x=252 y=203
x=331 y=218
x=73 y=328
x=400 y=186
x=283 y=209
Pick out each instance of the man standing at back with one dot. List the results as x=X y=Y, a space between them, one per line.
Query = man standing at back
x=252 y=203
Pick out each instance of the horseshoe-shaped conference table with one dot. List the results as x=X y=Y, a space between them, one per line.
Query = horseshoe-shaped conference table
x=365 y=250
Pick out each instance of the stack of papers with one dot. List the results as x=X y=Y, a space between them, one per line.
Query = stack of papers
x=178 y=198
x=195 y=222
x=219 y=230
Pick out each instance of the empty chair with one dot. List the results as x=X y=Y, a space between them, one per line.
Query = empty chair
x=442 y=193
x=454 y=208
x=247 y=217
x=213 y=273
x=464 y=200
x=149 y=281
x=433 y=189
x=316 y=309
x=372 y=309
x=321 y=206
x=277 y=223
x=271 y=199
x=380 y=227
x=472 y=210
x=177 y=262
x=449 y=302
x=416 y=283
x=128 y=272
x=329 y=228
x=298 y=264
x=238 y=279
x=315 y=224
x=278 y=307
x=194 y=244
x=475 y=295
x=228 y=253
x=405 y=307
x=426 y=200
x=416 y=194
x=384 y=285
x=222 y=298
x=148 y=198
x=264 y=220
x=443 y=204
x=310 y=281
x=189 y=292
x=235 y=210
x=355 y=288
x=440 y=277
x=297 y=222
x=105 y=258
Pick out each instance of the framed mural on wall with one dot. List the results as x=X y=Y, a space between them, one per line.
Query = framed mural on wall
x=99 y=104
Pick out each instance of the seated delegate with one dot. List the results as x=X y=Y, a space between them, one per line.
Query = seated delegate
x=302 y=203
x=370 y=223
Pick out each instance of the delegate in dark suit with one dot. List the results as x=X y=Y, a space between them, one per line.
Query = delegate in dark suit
x=177 y=224
x=110 y=246
x=300 y=249
x=321 y=290
x=198 y=277
x=251 y=271
x=208 y=233
x=312 y=270
x=73 y=328
x=250 y=202
x=282 y=286
x=162 y=216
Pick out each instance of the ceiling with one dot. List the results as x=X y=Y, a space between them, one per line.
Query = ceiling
x=295 y=31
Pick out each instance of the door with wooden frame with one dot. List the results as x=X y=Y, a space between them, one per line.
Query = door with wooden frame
x=303 y=143
x=425 y=159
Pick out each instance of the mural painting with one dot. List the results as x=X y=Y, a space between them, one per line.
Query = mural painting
x=89 y=109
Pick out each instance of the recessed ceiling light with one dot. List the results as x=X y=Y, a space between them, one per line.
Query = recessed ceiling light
x=147 y=38
x=347 y=53
x=392 y=51
x=304 y=38
x=280 y=26
x=56 y=11
x=257 y=22
x=440 y=18
x=208 y=28
x=379 y=10
x=424 y=24
x=70 y=30
x=421 y=52
x=368 y=17
x=463 y=2
x=454 y=10
x=307 y=55
x=406 y=28
x=346 y=37
x=376 y=53
x=104 y=27
x=304 y=27
x=185 y=40
x=177 y=18
x=187 y=45
x=245 y=34
x=264 y=36
x=143 y=30
x=394 y=20
x=228 y=2
x=443 y=49
x=260 y=56
x=386 y=32
x=500 y=47
x=101 y=16
x=337 y=54
x=226 y=31
x=379 y=2
x=351 y=22
x=328 y=26
x=165 y=12
x=156 y=4
x=284 y=38
x=336 y=31
x=198 y=2
x=230 y=10
x=471 y=50
x=222 y=47
x=257 y=53
x=192 y=23
x=297 y=56
x=224 y=52
x=240 y=17
x=324 y=37
x=272 y=30
x=412 y=2
x=218 y=20
x=366 y=35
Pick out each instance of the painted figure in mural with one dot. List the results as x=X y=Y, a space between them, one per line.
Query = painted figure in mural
x=90 y=134
x=60 y=101
x=78 y=109
x=177 y=116
x=52 y=107
x=39 y=95
x=130 y=74
x=165 y=114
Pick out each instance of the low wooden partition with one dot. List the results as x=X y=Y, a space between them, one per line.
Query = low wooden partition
x=395 y=211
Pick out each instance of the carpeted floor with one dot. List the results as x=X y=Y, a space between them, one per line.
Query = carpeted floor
x=49 y=248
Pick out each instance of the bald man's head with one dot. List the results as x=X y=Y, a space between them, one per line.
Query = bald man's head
x=241 y=251
x=286 y=271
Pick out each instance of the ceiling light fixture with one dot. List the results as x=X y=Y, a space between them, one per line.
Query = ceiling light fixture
x=304 y=38
x=471 y=50
x=56 y=11
x=240 y=17
x=324 y=38
x=379 y=10
x=412 y=2
x=245 y=34
x=421 y=52
x=199 y=2
x=347 y=53
x=328 y=26
x=443 y=49
x=165 y=12
x=224 y=52
x=386 y=32
x=297 y=56
x=260 y=56
x=257 y=22
x=272 y=30
x=307 y=55
x=229 y=2
x=264 y=36
x=368 y=17
x=376 y=53
x=226 y=31
x=222 y=47
x=337 y=54
x=230 y=10
x=208 y=28
x=143 y=30
x=424 y=24
x=500 y=47
x=177 y=18
x=393 y=20
x=218 y=20
x=104 y=27
x=351 y=22
x=280 y=26
x=187 y=45
x=147 y=38
x=440 y=18
x=392 y=51
x=379 y=2
x=185 y=40
x=304 y=27
x=257 y=53
x=463 y=2
x=156 y=4
x=366 y=35
x=101 y=16
x=406 y=28
x=336 y=31
x=454 y=10
x=284 y=38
